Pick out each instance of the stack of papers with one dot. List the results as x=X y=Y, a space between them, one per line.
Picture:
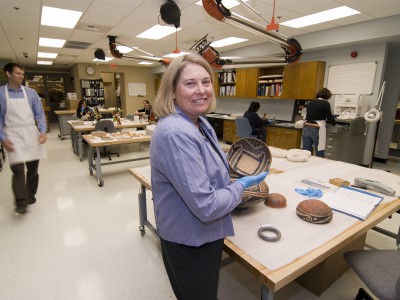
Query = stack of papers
x=352 y=201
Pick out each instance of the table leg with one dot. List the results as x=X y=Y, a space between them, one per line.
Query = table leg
x=266 y=293
x=100 y=181
x=142 y=209
x=80 y=146
x=60 y=127
x=90 y=160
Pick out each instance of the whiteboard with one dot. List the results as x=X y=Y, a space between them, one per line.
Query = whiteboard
x=136 y=89
x=352 y=78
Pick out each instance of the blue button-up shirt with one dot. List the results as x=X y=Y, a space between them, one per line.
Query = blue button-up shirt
x=34 y=102
x=192 y=191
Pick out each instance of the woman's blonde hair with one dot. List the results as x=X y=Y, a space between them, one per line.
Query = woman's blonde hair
x=164 y=104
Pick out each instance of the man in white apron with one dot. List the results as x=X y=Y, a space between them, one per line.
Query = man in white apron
x=23 y=140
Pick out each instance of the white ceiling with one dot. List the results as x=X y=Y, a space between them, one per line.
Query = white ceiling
x=20 y=27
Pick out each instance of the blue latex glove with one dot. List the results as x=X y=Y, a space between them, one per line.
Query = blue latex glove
x=310 y=192
x=248 y=181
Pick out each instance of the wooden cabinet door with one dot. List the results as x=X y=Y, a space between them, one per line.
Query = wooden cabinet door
x=274 y=136
x=290 y=81
x=311 y=79
x=216 y=84
x=291 y=138
x=229 y=131
x=246 y=83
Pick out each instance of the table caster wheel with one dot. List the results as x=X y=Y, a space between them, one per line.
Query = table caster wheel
x=142 y=230
x=100 y=183
x=91 y=172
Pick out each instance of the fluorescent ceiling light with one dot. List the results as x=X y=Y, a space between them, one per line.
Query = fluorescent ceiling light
x=145 y=63
x=106 y=59
x=124 y=49
x=46 y=55
x=227 y=41
x=58 y=17
x=157 y=32
x=44 y=62
x=173 y=55
x=55 y=43
x=227 y=3
x=323 y=16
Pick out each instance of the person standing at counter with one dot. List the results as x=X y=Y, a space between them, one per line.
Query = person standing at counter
x=192 y=190
x=314 y=129
x=20 y=108
x=258 y=125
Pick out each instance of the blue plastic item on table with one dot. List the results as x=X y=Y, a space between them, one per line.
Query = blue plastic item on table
x=310 y=192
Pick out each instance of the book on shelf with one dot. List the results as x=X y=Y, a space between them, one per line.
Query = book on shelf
x=352 y=201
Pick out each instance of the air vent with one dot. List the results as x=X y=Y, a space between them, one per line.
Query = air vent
x=93 y=28
x=77 y=45
x=67 y=55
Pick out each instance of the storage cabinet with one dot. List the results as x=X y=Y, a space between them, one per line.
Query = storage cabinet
x=270 y=82
x=92 y=92
x=240 y=83
x=229 y=131
x=345 y=141
x=303 y=80
x=246 y=83
x=285 y=138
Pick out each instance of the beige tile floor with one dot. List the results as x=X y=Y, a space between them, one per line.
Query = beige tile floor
x=80 y=241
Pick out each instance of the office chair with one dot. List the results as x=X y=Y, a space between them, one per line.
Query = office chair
x=107 y=126
x=379 y=270
x=243 y=128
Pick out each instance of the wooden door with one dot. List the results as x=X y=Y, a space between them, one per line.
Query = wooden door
x=290 y=81
x=310 y=79
x=274 y=136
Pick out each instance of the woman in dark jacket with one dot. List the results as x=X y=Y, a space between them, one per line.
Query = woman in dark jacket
x=83 y=110
x=314 y=130
x=257 y=124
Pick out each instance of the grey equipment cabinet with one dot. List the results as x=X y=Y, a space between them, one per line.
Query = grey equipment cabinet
x=63 y=117
x=346 y=141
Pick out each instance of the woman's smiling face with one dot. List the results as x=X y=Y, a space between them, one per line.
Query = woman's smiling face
x=194 y=91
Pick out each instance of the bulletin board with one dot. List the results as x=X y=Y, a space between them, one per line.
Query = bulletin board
x=136 y=89
x=352 y=78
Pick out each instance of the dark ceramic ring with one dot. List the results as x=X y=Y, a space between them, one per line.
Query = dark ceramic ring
x=269 y=238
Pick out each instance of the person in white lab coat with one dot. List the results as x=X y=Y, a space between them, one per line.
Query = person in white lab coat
x=22 y=134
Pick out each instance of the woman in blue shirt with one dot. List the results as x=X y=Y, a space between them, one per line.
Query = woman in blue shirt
x=192 y=190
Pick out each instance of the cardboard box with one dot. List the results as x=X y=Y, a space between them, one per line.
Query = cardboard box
x=72 y=96
x=71 y=104
x=318 y=279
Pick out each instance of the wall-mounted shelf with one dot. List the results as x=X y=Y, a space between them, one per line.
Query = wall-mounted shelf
x=92 y=91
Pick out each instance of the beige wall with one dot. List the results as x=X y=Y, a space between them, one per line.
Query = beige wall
x=128 y=74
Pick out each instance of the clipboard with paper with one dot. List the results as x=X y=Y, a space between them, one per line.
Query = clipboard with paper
x=351 y=201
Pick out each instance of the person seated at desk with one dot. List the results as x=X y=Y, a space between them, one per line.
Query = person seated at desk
x=83 y=112
x=257 y=124
x=146 y=110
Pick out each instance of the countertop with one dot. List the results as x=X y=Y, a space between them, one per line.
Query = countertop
x=278 y=123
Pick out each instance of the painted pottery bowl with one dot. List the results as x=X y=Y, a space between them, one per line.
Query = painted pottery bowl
x=249 y=156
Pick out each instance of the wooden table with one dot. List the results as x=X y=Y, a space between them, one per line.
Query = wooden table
x=95 y=145
x=275 y=279
x=77 y=129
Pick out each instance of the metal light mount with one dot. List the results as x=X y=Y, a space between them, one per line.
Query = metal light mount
x=115 y=52
x=291 y=46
